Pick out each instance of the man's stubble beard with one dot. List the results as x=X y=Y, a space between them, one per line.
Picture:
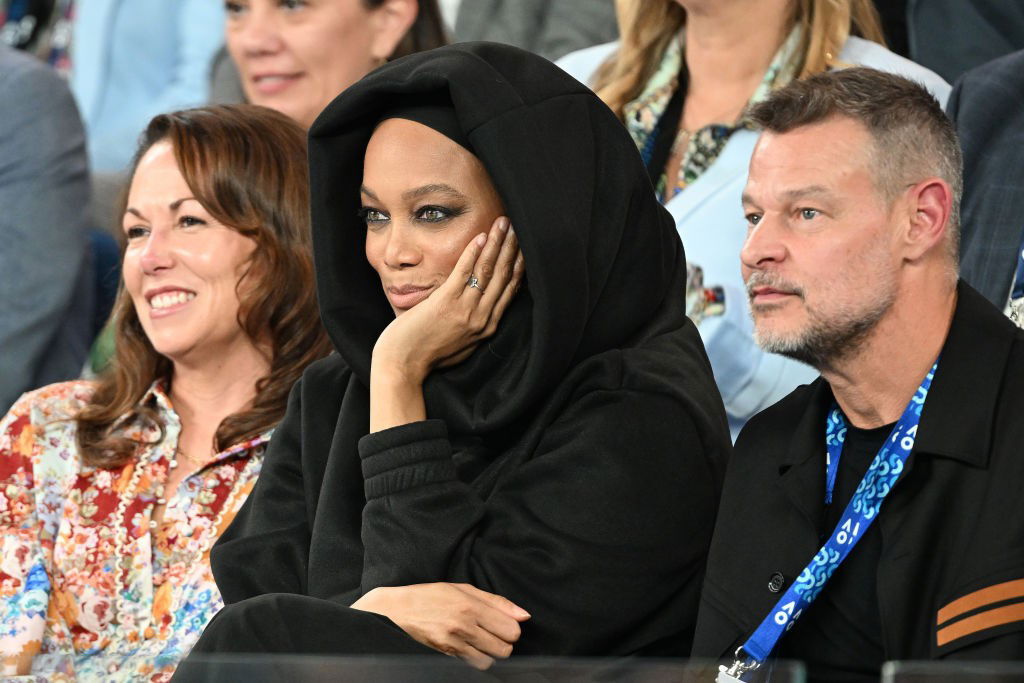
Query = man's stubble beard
x=823 y=341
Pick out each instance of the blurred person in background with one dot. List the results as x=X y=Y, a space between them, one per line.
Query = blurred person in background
x=113 y=491
x=46 y=270
x=681 y=78
x=133 y=59
x=549 y=28
x=40 y=27
x=952 y=37
x=987 y=107
x=296 y=56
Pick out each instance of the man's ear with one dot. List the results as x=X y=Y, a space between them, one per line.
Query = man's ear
x=391 y=21
x=930 y=206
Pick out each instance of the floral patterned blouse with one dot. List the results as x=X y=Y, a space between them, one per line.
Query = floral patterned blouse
x=643 y=114
x=90 y=587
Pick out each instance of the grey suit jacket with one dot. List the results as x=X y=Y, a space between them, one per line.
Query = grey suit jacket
x=987 y=106
x=46 y=280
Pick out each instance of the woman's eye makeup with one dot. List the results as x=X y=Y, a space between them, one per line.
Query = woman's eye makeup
x=136 y=231
x=430 y=213
x=371 y=216
x=433 y=213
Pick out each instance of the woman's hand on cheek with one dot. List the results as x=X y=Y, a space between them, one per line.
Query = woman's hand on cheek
x=446 y=327
x=454 y=618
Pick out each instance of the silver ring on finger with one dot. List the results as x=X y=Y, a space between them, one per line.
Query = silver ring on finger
x=474 y=282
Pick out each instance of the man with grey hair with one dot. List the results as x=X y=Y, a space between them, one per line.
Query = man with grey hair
x=874 y=514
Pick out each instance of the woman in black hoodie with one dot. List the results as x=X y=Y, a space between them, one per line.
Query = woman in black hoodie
x=561 y=448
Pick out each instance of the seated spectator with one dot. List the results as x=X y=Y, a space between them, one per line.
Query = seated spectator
x=682 y=78
x=112 y=492
x=46 y=273
x=987 y=107
x=518 y=404
x=296 y=57
x=549 y=28
x=902 y=461
x=133 y=59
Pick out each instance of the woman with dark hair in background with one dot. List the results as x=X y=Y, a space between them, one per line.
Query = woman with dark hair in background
x=296 y=56
x=113 y=491
x=520 y=433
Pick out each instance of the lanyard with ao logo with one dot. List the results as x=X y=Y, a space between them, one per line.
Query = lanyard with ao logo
x=860 y=512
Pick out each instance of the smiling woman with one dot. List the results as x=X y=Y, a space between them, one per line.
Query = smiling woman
x=182 y=266
x=112 y=492
x=295 y=56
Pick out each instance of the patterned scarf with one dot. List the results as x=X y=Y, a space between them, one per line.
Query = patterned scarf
x=643 y=114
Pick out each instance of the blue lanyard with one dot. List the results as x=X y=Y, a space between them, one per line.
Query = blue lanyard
x=860 y=512
x=835 y=435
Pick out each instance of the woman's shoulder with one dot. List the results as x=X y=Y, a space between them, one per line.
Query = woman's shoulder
x=861 y=52
x=52 y=403
x=38 y=435
x=582 y=64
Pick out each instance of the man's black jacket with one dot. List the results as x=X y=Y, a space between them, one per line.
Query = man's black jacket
x=951 y=573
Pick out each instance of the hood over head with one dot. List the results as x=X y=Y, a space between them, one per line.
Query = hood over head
x=604 y=265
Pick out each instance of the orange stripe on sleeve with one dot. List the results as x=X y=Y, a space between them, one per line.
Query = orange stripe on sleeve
x=979 y=622
x=980 y=598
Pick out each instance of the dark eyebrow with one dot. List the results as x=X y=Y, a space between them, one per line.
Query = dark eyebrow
x=433 y=188
x=174 y=206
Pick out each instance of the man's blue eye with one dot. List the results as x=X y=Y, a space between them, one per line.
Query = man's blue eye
x=809 y=214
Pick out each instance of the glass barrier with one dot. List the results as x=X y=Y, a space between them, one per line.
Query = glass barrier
x=267 y=669
x=948 y=672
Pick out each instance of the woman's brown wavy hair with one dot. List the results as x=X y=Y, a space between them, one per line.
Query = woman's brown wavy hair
x=247 y=166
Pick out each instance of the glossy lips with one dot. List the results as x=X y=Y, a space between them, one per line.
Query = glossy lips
x=407 y=296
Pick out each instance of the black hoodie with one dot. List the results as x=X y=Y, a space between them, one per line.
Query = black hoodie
x=573 y=463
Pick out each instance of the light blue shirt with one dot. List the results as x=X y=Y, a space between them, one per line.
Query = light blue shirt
x=134 y=59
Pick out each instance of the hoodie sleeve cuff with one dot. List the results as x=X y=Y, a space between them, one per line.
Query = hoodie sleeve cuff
x=405 y=457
